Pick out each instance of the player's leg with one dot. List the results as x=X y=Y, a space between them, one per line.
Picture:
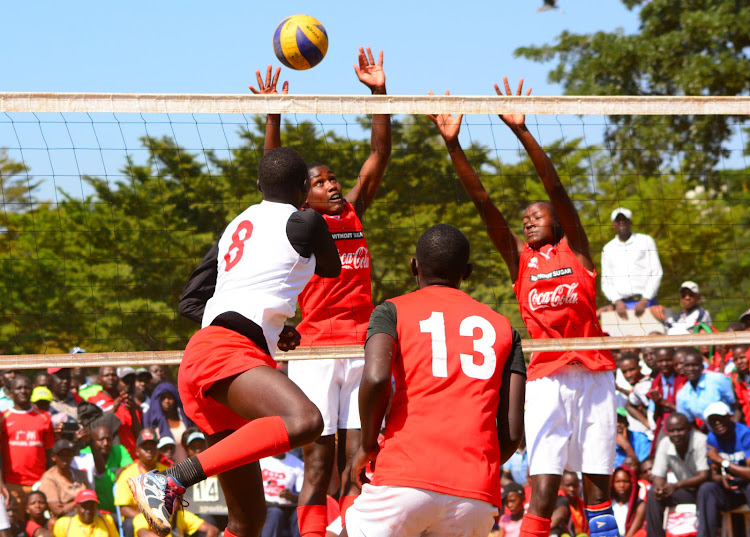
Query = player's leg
x=596 y=449
x=279 y=417
x=349 y=440
x=312 y=504
x=243 y=493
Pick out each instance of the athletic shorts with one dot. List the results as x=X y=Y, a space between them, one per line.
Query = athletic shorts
x=384 y=511
x=213 y=354
x=333 y=385
x=571 y=420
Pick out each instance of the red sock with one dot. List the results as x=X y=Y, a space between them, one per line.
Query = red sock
x=311 y=520
x=535 y=526
x=345 y=503
x=228 y=533
x=260 y=438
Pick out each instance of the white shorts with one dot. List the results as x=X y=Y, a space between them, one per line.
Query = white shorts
x=4 y=522
x=333 y=385
x=407 y=512
x=571 y=421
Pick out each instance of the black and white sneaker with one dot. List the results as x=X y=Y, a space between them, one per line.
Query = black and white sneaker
x=158 y=496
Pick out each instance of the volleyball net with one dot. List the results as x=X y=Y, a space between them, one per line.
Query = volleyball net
x=111 y=200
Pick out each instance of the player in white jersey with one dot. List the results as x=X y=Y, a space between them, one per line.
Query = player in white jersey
x=228 y=380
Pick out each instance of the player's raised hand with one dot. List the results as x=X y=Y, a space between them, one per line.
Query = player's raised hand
x=289 y=339
x=268 y=87
x=512 y=120
x=448 y=125
x=371 y=74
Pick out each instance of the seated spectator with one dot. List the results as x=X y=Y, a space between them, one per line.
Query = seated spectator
x=702 y=388
x=664 y=388
x=629 y=443
x=142 y=392
x=728 y=449
x=282 y=481
x=115 y=397
x=103 y=461
x=684 y=454
x=692 y=312
x=147 y=459
x=167 y=416
x=88 y=521
x=16 y=526
x=516 y=468
x=167 y=448
x=37 y=523
x=569 y=516
x=61 y=483
x=645 y=477
x=513 y=500
x=25 y=436
x=630 y=511
x=185 y=523
x=41 y=397
x=193 y=441
x=739 y=378
x=636 y=400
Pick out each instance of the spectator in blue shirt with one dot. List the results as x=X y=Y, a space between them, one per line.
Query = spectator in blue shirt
x=702 y=388
x=633 y=443
x=517 y=467
x=728 y=445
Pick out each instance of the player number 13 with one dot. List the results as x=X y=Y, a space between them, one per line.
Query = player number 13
x=435 y=326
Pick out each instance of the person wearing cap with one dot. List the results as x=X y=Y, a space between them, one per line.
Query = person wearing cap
x=41 y=396
x=631 y=269
x=193 y=441
x=116 y=397
x=702 y=388
x=745 y=319
x=102 y=461
x=692 y=312
x=683 y=454
x=513 y=497
x=25 y=436
x=728 y=446
x=61 y=483
x=147 y=454
x=167 y=448
x=87 y=521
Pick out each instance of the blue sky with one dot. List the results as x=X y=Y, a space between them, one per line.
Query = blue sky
x=166 y=46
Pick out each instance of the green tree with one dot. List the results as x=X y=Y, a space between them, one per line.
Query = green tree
x=683 y=47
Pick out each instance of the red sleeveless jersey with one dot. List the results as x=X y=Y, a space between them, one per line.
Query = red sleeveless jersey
x=335 y=311
x=557 y=299
x=441 y=431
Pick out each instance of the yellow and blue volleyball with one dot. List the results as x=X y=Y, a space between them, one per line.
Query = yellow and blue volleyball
x=300 y=42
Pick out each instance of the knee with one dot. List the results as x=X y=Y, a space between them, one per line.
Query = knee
x=304 y=427
x=706 y=490
x=543 y=499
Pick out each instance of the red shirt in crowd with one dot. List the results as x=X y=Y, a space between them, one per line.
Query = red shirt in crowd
x=25 y=436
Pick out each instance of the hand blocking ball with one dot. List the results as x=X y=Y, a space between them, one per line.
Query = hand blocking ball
x=300 y=42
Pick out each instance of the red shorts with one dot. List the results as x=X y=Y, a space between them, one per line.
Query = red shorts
x=213 y=354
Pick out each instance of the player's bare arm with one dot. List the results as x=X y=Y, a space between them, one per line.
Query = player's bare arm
x=566 y=211
x=510 y=408
x=507 y=243
x=374 y=394
x=371 y=74
x=273 y=121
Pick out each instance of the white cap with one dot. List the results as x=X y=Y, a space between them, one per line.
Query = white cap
x=627 y=213
x=123 y=372
x=690 y=286
x=165 y=441
x=717 y=409
x=744 y=315
x=195 y=436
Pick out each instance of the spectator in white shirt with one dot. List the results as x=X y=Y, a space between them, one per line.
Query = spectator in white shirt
x=631 y=270
x=692 y=312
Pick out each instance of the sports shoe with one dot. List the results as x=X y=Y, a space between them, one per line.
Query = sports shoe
x=158 y=496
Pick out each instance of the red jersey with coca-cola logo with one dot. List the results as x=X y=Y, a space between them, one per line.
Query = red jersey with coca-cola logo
x=557 y=299
x=335 y=311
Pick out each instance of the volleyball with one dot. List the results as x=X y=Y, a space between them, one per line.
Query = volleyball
x=300 y=42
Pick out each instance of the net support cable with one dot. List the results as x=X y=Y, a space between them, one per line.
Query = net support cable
x=146 y=358
x=147 y=103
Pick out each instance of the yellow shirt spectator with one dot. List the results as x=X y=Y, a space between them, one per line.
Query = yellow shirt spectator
x=73 y=526
x=184 y=522
x=123 y=496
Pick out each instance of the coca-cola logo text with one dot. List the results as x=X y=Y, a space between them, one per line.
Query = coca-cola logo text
x=356 y=260
x=562 y=294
